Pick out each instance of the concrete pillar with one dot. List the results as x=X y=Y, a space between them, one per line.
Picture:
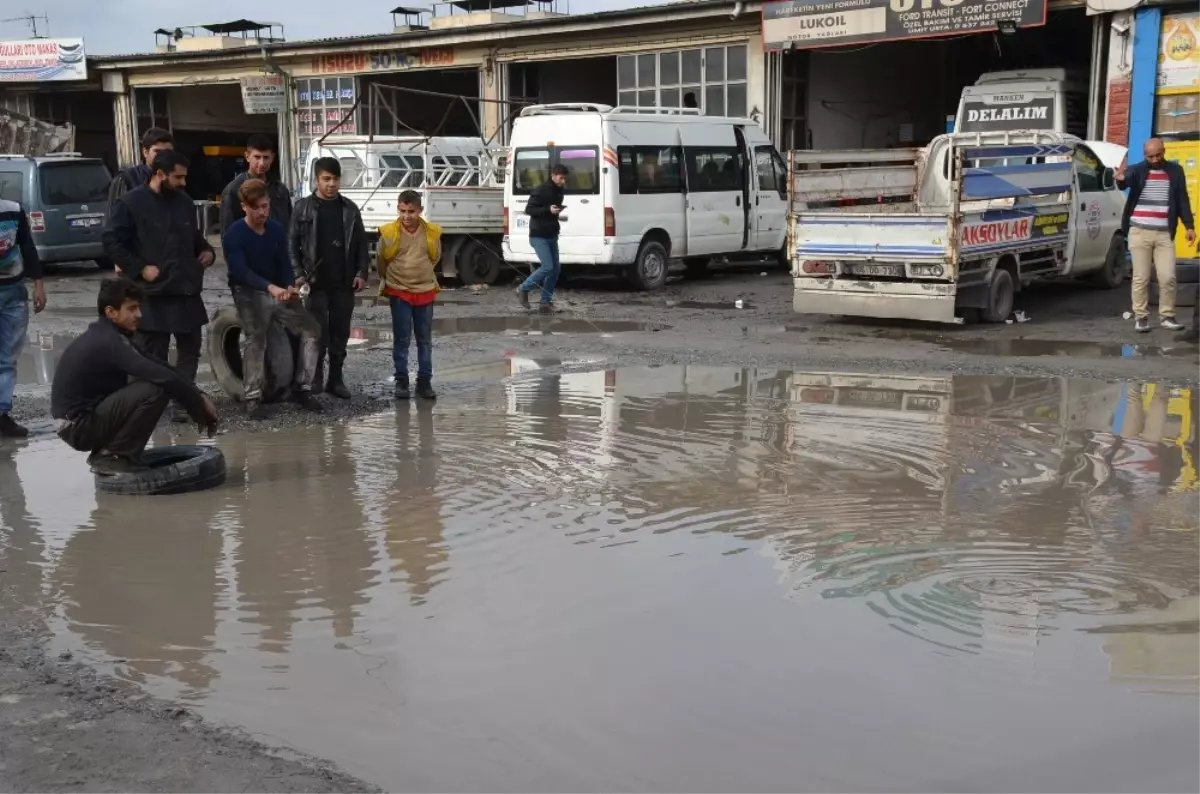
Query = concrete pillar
x=491 y=112
x=125 y=130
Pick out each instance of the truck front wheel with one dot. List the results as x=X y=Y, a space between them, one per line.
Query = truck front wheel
x=478 y=262
x=1000 y=297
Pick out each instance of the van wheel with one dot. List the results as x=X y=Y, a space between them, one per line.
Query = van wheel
x=697 y=267
x=649 y=270
x=1000 y=297
x=1112 y=273
x=478 y=263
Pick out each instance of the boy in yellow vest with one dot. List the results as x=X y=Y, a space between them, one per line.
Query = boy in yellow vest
x=409 y=248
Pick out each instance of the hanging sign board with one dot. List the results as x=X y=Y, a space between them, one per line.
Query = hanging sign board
x=42 y=60
x=263 y=94
x=805 y=24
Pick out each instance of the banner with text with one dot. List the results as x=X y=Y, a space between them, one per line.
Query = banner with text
x=42 y=60
x=804 y=24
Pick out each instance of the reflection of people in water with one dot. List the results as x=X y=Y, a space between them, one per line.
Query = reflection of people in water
x=146 y=590
x=414 y=522
x=21 y=561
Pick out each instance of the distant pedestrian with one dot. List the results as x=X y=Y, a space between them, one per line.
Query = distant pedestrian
x=108 y=395
x=260 y=158
x=409 y=249
x=152 y=236
x=1157 y=204
x=328 y=248
x=544 y=208
x=260 y=275
x=19 y=263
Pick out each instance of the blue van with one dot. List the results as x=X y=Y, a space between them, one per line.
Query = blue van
x=66 y=198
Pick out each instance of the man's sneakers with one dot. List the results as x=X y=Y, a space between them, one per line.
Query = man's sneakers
x=425 y=389
x=1142 y=325
x=1171 y=324
x=548 y=308
x=10 y=429
x=402 y=392
x=308 y=401
x=523 y=299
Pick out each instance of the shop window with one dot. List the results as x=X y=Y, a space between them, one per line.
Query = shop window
x=10 y=186
x=649 y=169
x=711 y=79
x=713 y=169
x=152 y=109
x=322 y=103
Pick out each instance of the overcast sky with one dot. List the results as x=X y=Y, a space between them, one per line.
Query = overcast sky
x=125 y=26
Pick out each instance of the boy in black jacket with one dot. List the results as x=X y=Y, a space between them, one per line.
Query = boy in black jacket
x=543 y=208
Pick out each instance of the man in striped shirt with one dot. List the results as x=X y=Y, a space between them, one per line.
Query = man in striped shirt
x=1157 y=203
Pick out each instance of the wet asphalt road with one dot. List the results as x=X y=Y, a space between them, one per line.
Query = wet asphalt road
x=106 y=734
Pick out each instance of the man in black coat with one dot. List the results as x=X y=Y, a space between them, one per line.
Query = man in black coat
x=543 y=208
x=1157 y=204
x=152 y=236
x=328 y=248
x=260 y=157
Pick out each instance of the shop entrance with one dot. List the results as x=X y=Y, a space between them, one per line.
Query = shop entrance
x=901 y=93
x=210 y=128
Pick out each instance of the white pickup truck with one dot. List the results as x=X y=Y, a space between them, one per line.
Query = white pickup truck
x=950 y=232
x=460 y=180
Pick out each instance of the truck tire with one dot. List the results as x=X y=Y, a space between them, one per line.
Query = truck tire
x=1000 y=297
x=1112 y=274
x=697 y=267
x=225 y=357
x=649 y=270
x=170 y=470
x=478 y=262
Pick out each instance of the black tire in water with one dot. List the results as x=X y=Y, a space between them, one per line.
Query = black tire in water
x=649 y=270
x=225 y=357
x=169 y=470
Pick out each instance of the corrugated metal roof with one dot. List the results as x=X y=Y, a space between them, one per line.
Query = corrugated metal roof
x=373 y=38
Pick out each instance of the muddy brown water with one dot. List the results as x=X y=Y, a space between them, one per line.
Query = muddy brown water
x=672 y=578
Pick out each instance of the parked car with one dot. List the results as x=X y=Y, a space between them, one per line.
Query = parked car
x=65 y=195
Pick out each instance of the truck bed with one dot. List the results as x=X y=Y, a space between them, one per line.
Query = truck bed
x=458 y=210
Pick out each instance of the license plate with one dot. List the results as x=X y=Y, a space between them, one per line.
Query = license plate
x=877 y=270
x=861 y=397
x=522 y=222
x=83 y=223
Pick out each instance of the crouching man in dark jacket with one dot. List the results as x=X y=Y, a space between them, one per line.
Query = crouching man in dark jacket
x=108 y=395
x=328 y=247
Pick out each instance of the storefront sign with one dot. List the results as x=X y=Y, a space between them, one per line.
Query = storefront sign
x=804 y=24
x=263 y=94
x=395 y=61
x=1008 y=112
x=1179 y=52
x=40 y=60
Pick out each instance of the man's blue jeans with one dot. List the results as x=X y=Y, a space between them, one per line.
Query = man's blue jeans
x=14 y=321
x=409 y=321
x=545 y=276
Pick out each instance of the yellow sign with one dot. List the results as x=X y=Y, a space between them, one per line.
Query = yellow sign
x=1179 y=52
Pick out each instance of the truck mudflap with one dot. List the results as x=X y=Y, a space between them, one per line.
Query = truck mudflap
x=922 y=300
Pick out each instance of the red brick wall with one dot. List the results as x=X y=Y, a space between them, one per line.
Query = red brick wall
x=1117 y=128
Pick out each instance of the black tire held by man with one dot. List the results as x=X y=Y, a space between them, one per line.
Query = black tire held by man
x=169 y=470
x=225 y=357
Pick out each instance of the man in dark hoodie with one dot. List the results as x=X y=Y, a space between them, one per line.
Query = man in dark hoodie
x=152 y=236
x=328 y=248
x=108 y=395
x=154 y=140
x=260 y=157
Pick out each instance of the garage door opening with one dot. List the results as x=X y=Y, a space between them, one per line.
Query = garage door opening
x=210 y=128
x=901 y=93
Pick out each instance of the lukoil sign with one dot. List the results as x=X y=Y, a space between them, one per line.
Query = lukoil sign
x=41 y=60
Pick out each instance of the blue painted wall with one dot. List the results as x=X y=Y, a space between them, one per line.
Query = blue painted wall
x=1146 y=31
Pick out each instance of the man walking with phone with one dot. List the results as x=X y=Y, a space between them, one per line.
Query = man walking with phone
x=1157 y=204
x=544 y=209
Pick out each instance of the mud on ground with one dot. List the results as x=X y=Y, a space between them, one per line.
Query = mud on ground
x=63 y=727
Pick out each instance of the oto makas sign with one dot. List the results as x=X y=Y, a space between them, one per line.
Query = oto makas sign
x=802 y=24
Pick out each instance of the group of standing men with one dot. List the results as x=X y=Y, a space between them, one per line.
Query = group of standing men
x=300 y=266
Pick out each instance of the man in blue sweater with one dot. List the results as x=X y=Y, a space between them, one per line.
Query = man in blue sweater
x=260 y=275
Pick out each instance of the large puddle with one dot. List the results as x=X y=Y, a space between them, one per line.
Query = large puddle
x=672 y=578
